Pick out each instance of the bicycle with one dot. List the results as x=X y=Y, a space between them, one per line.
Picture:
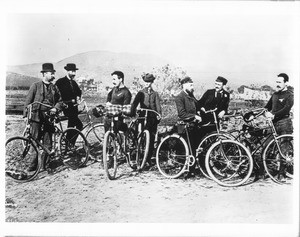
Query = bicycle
x=139 y=127
x=276 y=152
x=174 y=154
x=117 y=145
x=21 y=152
x=208 y=140
x=94 y=132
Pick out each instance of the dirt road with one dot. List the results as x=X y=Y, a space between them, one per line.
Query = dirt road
x=85 y=195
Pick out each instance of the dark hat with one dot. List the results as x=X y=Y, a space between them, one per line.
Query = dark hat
x=71 y=67
x=186 y=80
x=47 y=67
x=222 y=79
x=148 y=77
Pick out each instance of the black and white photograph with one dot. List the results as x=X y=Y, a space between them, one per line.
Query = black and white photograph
x=150 y=118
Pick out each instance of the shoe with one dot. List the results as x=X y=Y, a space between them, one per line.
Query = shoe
x=147 y=167
x=16 y=175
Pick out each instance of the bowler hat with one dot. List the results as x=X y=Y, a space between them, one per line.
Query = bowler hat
x=148 y=77
x=186 y=80
x=47 y=67
x=71 y=67
x=222 y=79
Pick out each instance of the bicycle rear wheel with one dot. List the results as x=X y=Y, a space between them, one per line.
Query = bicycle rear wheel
x=278 y=159
x=95 y=136
x=22 y=159
x=205 y=144
x=131 y=148
x=171 y=156
x=143 y=149
x=110 y=155
x=73 y=148
x=229 y=163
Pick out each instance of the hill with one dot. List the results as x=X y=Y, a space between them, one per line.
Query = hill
x=98 y=65
x=19 y=81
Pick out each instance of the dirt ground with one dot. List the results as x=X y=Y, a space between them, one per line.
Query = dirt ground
x=86 y=195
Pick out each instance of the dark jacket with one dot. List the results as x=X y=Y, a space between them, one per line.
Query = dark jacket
x=280 y=104
x=36 y=93
x=119 y=96
x=209 y=101
x=67 y=92
x=147 y=100
x=186 y=106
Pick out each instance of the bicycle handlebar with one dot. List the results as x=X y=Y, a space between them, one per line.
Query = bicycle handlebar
x=150 y=110
x=40 y=103
x=210 y=111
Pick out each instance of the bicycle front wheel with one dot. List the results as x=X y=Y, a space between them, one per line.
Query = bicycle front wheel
x=205 y=144
x=94 y=136
x=171 y=156
x=278 y=159
x=73 y=148
x=143 y=149
x=229 y=163
x=22 y=159
x=110 y=155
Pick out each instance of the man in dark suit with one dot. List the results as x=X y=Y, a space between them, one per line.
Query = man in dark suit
x=186 y=105
x=45 y=92
x=217 y=99
x=70 y=93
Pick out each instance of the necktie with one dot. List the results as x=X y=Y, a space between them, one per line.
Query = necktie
x=72 y=88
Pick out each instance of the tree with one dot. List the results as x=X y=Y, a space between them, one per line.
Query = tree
x=167 y=80
x=241 y=89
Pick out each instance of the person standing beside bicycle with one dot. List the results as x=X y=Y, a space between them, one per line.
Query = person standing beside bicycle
x=71 y=94
x=279 y=106
x=147 y=98
x=119 y=95
x=47 y=93
x=187 y=109
x=217 y=99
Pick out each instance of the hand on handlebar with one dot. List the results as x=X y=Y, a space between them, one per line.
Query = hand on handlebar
x=53 y=111
x=198 y=118
x=269 y=115
x=221 y=114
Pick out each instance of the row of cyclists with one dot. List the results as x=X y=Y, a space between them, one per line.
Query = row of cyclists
x=64 y=94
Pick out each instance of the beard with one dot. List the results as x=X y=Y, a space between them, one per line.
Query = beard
x=190 y=92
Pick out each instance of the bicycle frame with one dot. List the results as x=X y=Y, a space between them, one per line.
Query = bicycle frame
x=142 y=121
x=57 y=125
x=118 y=135
x=267 y=138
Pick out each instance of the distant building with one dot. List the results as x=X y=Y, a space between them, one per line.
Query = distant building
x=252 y=94
x=87 y=84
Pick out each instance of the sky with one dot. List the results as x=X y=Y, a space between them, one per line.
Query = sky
x=240 y=40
